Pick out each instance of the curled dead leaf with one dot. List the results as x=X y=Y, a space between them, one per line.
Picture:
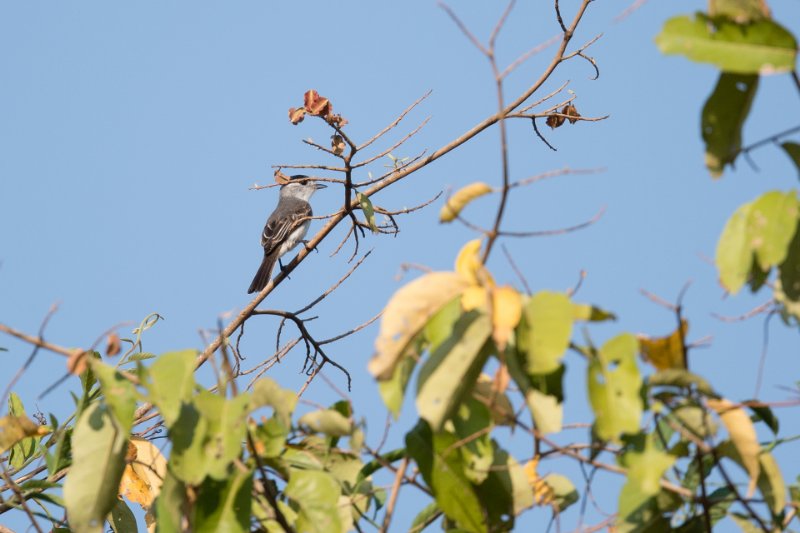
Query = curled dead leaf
x=571 y=112
x=337 y=144
x=456 y=203
x=296 y=115
x=281 y=178
x=113 y=345
x=317 y=105
x=554 y=121
x=77 y=361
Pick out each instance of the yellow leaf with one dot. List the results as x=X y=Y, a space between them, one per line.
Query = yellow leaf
x=144 y=473
x=743 y=435
x=506 y=312
x=542 y=493
x=665 y=352
x=474 y=297
x=15 y=428
x=461 y=198
x=406 y=313
x=468 y=264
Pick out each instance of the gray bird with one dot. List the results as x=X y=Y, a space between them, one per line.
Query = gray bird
x=286 y=226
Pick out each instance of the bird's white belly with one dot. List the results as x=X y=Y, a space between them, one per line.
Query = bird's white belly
x=294 y=238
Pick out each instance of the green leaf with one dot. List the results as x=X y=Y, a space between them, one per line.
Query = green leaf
x=762 y=47
x=614 y=388
x=563 y=491
x=678 y=377
x=326 y=421
x=545 y=330
x=638 y=510
x=505 y=493
x=472 y=424
x=764 y=414
x=425 y=517
x=172 y=383
x=316 y=495
x=122 y=519
x=793 y=151
x=724 y=114
x=170 y=505
x=442 y=468
x=267 y=392
x=225 y=431
x=543 y=393
x=740 y=11
x=393 y=390
x=745 y=523
x=26 y=448
x=435 y=331
x=187 y=461
x=272 y=435
x=99 y=444
x=451 y=370
x=590 y=313
x=224 y=505
x=771 y=224
x=119 y=393
x=790 y=269
x=734 y=255
x=369 y=211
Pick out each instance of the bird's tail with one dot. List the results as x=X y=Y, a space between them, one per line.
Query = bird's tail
x=264 y=272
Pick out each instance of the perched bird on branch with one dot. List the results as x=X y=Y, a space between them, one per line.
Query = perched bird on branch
x=286 y=226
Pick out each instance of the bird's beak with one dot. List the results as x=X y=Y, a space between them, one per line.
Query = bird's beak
x=320 y=186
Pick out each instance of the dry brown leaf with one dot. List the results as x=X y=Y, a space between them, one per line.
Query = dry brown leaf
x=743 y=436
x=571 y=112
x=506 y=312
x=15 y=428
x=407 y=312
x=296 y=115
x=144 y=473
x=317 y=105
x=281 y=178
x=554 y=121
x=113 y=345
x=76 y=362
x=665 y=352
x=456 y=203
x=337 y=144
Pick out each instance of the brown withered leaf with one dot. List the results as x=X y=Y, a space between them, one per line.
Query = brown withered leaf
x=554 y=121
x=113 y=345
x=296 y=115
x=571 y=112
x=281 y=178
x=76 y=363
x=337 y=120
x=317 y=105
x=337 y=144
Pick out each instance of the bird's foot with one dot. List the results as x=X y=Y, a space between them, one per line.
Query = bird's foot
x=284 y=270
x=309 y=247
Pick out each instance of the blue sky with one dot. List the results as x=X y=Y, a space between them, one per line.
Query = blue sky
x=132 y=133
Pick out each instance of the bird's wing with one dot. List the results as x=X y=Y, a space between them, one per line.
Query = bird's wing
x=278 y=228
